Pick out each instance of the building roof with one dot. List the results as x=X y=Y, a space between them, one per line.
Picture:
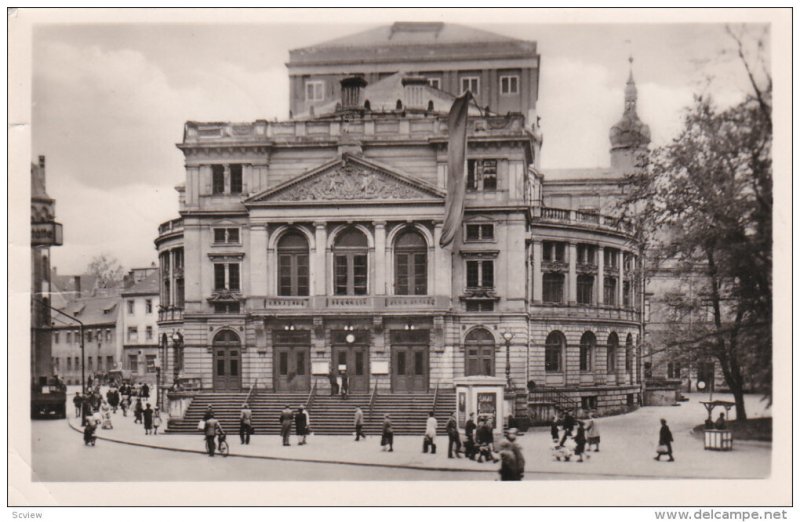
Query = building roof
x=390 y=43
x=586 y=174
x=91 y=311
x=147 y=286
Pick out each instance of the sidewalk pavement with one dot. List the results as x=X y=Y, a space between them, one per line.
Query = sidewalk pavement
x=627 y=448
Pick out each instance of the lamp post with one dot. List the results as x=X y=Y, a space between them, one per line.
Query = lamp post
x=507 y=336
x=177 y=345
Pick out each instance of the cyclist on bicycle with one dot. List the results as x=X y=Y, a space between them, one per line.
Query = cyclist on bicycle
x=212 y=429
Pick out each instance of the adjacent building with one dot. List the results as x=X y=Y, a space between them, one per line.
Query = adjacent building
x=313 y=245
x=140 y=306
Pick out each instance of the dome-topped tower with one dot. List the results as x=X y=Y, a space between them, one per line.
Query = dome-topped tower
x=629 y=136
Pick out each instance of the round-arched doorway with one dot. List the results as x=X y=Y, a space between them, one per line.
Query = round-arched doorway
x=227 y=350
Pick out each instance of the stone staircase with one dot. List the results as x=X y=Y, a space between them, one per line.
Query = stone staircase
x=329 y=415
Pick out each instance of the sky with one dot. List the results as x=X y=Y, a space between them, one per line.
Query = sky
x=110 y=102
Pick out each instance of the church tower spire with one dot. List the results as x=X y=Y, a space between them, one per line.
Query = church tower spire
x=629 y=136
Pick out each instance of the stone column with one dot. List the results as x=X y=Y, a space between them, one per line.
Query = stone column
x=172 y=277
x=260 y=271
x=573 y=273
x=227 y=177
x=380 y=258
x=319 y=268
x=444 y=265
x=537 y=271
x=599 y=298
x=620 y=291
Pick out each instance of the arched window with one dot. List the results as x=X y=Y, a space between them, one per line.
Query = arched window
x=480 y=353
x=588 y=343
x=410 y=264
x=350 y=263
x=553 y=348
x=629 y=353
x=611 y=352
x=293 y=264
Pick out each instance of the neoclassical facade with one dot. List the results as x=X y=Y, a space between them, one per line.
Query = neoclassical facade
x=312 y=245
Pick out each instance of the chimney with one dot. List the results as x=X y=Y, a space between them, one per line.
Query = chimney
x=352 y=87
x=77 y=280
x=414 y=91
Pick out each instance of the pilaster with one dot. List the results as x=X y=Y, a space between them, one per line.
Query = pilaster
x=573 y=273
x=319 y=271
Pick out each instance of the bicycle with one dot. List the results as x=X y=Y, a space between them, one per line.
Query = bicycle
x=222 y=444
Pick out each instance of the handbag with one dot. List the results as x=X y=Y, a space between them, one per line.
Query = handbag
x=201 y=425
x=662 y=448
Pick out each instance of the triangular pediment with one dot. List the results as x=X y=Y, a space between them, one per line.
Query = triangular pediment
x=350 y=179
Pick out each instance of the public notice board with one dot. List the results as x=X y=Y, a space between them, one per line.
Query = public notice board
x=487 y=405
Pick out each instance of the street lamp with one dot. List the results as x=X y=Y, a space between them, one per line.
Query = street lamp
x=507 y=336
x=177 y=344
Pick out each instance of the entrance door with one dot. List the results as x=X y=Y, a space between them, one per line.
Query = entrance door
x=409 y=368
x=355 y=358
x=410 y=360
x=291 y=360
x=227 y=361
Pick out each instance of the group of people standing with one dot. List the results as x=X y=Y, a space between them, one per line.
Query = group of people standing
x=95 y=411
x=340 y=383
x=587 y=433
x=302 y=424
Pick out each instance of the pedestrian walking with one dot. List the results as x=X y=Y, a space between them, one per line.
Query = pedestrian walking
x=429 y=441
x=471 y=449
x=156 y=420
x=211 y=429
x=387 y=435
x=105 y=412
x=145 y=391
x=453 y=437
x=512 y=466
x=86 y=410
x=485 y=441
x=569 y=425
x=345 y=384
x=554 y=427
x=137 y=411
x=112 y=396
x=358 y=421
x=148 y=419
x=78 y=402
x=593 y=433
x=332 y=381
x=245 y=424
x=339 y=382
x=664 y=442
x=301 y=425
x=125 y=405
x=209 y=412
x=285 y=420
x=580 y=442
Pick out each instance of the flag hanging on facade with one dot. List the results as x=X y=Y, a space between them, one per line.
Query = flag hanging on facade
x=456 y=171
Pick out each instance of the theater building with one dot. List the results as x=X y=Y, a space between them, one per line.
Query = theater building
x=313 y=244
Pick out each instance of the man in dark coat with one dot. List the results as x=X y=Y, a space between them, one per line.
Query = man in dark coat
x=286 y=424
x=453 y=437
x=112 y=396
x=665 y=439
x=78 y=402
x=332 y=380
x=512 y=465
x=145 y=391
x=485 y=440
x=569 y=425
x=301 y=425
x=469 y=430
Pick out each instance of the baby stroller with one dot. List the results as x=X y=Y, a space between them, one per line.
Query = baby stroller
x=89 y=437
x=565 y=452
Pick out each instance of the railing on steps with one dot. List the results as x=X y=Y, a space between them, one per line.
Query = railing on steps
x=311 y=395
x=556 y=397
x=372 y=397
x=435 y=397
x=250 y=392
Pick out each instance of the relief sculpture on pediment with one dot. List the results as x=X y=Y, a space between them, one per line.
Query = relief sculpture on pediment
x=349 y=182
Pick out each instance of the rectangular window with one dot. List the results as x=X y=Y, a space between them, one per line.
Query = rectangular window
x=480 y=274
x=480 y=306
x=360 y=274
x=233 y=276
x=150 y=362
x=419 y=363
x=301 y=363
x=217 y=179
x=148 y=333
x=482 y=174
x=585 y=289
x=69 y=363
x=411 y=273
x=236 y=178
x=674 y=371
x=610 y=291
x=359 y=363
x=436 y=83
x=350 y=274
x=55 y=337
x=133 y=334
x=401 y=363
x=509 y=85
x=226 y=308
x=553 y=251
x=552 y=358
x=315 y=91
x=610 y=257
x=219 y=276
x=108 y=335
x=148 y=306
x=69 y=338
x=89 y=336
x=99 y=363
x=293 y=274
x=480 y=232
x=226 y=235
x=553 y=288
x=340 y=275
x=110 y=362
x=470 y=83
x=90 y=365
x=130 y=306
